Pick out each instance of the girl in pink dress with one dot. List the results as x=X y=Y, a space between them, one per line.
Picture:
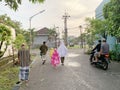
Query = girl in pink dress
x=55 y=59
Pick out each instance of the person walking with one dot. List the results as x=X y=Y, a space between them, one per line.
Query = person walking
x=24 y=62
x=43 y=51
x=55 y=59
x=62 y=50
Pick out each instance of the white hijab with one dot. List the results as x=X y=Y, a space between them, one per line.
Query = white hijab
x=62 y=50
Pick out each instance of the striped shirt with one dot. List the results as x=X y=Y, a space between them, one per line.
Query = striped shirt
x=24 y=57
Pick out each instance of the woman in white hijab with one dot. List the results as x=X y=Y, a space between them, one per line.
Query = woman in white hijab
x=62 y=50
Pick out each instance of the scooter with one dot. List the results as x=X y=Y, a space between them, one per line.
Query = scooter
x=103 y=61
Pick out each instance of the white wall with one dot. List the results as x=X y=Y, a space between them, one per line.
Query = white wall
x=9 y=49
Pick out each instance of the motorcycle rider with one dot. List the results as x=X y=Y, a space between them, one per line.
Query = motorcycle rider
x=97 y=48
x=104 y=48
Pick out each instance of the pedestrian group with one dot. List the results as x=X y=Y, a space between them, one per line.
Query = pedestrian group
x=57 y=55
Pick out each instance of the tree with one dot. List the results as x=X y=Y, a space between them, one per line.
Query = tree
x=4 y=19
x=52 y=33
x=19 y=40
x=111 y=13
x=14 y=24
x=97 y=26
x=95 y=30
x=5 y=37
x=14 y=4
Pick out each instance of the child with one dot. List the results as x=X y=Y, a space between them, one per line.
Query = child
x=51 y=52
x=55 y=59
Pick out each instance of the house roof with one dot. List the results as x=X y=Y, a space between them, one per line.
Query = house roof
x=43 y=31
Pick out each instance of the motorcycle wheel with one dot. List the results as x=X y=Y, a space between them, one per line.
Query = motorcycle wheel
x=92 y=58
x=105 y=65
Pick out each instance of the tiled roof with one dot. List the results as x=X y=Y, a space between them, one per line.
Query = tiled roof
x=43 y=31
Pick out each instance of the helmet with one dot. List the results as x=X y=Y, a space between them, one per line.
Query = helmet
x=99 y=41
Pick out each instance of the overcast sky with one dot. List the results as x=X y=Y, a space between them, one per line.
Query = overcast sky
x=78 y=10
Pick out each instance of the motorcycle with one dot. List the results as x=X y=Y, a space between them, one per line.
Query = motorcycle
x=103 y=60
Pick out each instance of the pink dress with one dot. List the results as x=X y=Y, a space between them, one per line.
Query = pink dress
x=55 y=59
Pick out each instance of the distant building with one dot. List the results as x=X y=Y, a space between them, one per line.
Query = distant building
x=99 y=15
x=43 y=35
x=99 y=10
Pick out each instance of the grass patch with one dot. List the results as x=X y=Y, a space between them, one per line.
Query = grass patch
x=74 y=47
x=8 y=78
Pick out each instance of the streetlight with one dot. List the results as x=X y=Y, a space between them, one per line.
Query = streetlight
x=30 y=24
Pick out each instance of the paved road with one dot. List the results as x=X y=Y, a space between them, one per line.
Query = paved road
x=76 y=74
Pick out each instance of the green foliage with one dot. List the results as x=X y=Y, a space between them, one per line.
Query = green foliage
x=5 y=32
x=5 y=37
x=36 y=1
x=5 y=20
x=27 y=36
x=97 y=26
x=14 y=24
x=8 y=77
x=111 y=12
x=14 y=4
x=19 y=40
x=74 y=47
x=115 y=53
x=94 y=30
x=52 y=31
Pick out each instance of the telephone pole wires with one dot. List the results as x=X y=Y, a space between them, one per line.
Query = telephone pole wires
x=65 y=17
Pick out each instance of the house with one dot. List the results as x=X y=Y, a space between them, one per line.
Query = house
x=43 y=35
x=99 y=15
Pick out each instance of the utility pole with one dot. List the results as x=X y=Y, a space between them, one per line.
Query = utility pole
x=81 y=38
x=65 y=17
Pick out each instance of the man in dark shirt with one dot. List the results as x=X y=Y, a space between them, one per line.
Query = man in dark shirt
x=43 y=50
x=104 y=48
x=97 y=48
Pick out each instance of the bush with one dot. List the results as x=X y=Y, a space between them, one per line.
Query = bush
x=114 y=55
x=8 y=77
x=88 y=51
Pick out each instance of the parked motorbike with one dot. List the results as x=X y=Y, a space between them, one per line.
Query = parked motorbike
x=103 y=60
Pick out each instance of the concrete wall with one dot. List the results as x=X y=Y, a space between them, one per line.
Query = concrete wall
x=38 y=40
x=9 y=49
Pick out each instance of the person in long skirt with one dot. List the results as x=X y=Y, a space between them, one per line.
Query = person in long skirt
x=62 y=50
x=24 y=61
x=55 y=59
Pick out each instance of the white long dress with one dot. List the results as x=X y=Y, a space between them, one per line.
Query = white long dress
x=62 y=50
